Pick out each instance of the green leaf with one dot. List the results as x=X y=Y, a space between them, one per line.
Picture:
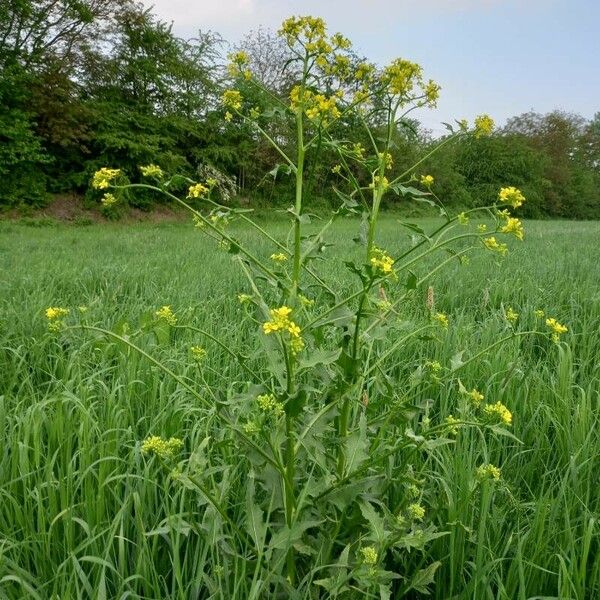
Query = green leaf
x=255 y=523
x=374 y=520
x=357 y=446
x=424 y=578
x=320 y=357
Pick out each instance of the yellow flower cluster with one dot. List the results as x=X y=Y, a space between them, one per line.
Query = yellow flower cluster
x=556 y=328
x=415 y=512
x=152 y=171
x=381 y=261
x=244 y=298
x=452 y=422
x=427 y=180
x=499 y=411
x=511 y=196
x=317 y=107
x=513 y=226
x=198 y=353
x=269 y=404
x=108 y=200
x=442 y=319
x=364 y=72
x=54 y=314
x=197 y=191
x=280 y=323
x=492 y=244
x=484 y=125
x=432 y=93
x=232 y=99
x=306 y=302
x=166 y=314
x=475 y=396
x=237 y=65
x=488 y=472
x=162 y=448
x=463 y=218
x=369 y=555
x=280 y=257
x=379 y=181
x=511 y=315
x=103 y=178
x=304 y=29
x=539 y=313
x=387 y=159
x=401 y=76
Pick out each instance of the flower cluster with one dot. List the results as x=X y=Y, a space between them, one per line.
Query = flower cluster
x=369 y=555
x=162 y=448
x=270 y=405
x=103 y=178
x=281 y=323
x=556 y=328
x=475 y=396
x=442 y=319
x=513 y=226
x=511 y=315
x=232 y=99
x=279 y=257
x=415 y=512
x=511 y=196
x=499 y=411
x=108 y=200
x=166 y=314
x=379 y=182
x=488 y=471
x=55 y=314
x=317 y=107
x=427 y=180
x=484 y=125
x=492 y=244
x=197 y=190
x=381 y=262
x=238 y=65
x=401 y=76
x=152 y=171
x=198 y=353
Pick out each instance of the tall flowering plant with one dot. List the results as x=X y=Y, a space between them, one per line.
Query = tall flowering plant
x=336 y=496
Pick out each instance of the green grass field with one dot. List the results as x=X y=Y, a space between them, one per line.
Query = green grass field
x=84 y=515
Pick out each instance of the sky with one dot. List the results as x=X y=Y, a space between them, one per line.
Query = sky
x=502 y=57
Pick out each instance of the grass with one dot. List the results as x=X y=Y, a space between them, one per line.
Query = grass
x=84 y=515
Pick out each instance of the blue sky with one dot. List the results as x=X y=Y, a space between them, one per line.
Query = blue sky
x=503 y=57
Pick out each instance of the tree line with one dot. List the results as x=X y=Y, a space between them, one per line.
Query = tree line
x=92 y=83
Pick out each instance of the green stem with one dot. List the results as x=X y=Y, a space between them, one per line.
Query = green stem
x=298 y=204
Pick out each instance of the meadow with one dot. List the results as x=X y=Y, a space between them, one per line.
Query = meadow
x=83 y=514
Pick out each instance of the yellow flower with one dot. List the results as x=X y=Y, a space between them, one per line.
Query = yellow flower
x=540 y=314
x=475 y=396
x=511 y=196
x=166 y=314
x=232 y=99
x=499 y=411
x=281 y=257
x=103 y=178
x=387 y=159
x=432 y=92
x=280 y=322
x=269 y=404
x=197 y=191
x=228 y=116
x=452 y=423
x=369 y=555
x=491 y=244
x=442 y=319
x=55 y=312
x=198 y=353
x=415 y=512
x=381 y=262
x=244 y=298
x=358 y=150
x=251 y=428
x=162 y=448
x=108 y=200
x=488 y=472
x=511 y=315
x=152 y=171
x=482 y=227
x=463 y=218
x=254 y=112
x=379 y=182
x=337 y=169
x=427 y=180
x=513 y=226
x=401 y=76
x=306 y=302
x=484 y=125
x=556 y=328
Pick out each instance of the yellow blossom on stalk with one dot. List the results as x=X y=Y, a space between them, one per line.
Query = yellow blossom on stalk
x=499 y=411
x=475 y=396
x=379 y=181
x=103 y=178
x=511 y=196
x=162 y=448
x=401 y=76
x=337 y=169
x=197 y=191
x=232 y=99
x=381 y=262
x=244 y=298
x=280 y=257
x=427 y=180
x=228 y=116
x=387 y=159
x=269 y=404
x=492 y=244
x=152 y=171
x=108 y=200
x=556 y=328
x=540 y=314
x=341 y=41
x=432 y=92
x=369 y=555
x=484 y=125
x=308 y=28
x=251 y=428
x=511 y=315
x=358 y=150
x=452 y=423
x=415 y=512
x=280 y=322
x=364 y=71
x=482 y=227
x=442 y=319
x=198 y=353
x=463 y=218
x=488 y=472
x=254 y=112
x=166 y=314
x=55 y=312
x=513 y=226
